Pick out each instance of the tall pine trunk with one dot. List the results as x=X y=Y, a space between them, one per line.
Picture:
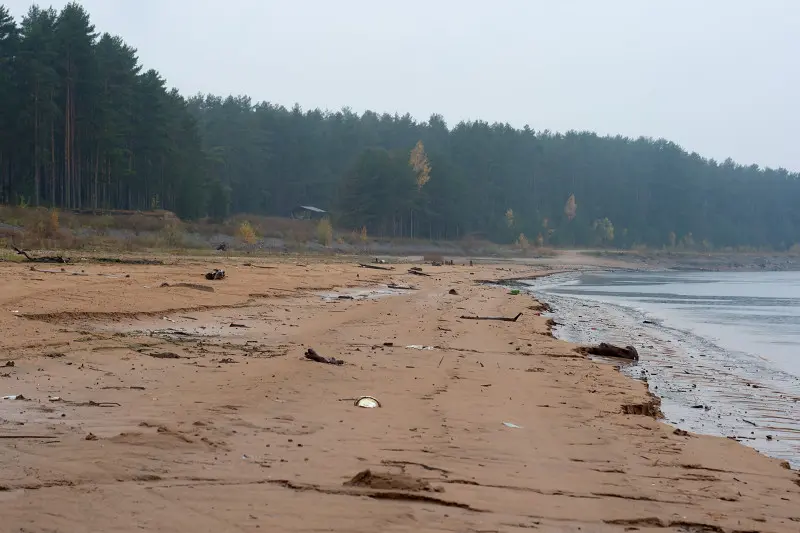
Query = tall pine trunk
x=66 y=193
x=53 y=163
x=37 y=163
x=96 y=173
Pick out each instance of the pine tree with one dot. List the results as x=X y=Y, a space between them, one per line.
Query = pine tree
x=9 y=103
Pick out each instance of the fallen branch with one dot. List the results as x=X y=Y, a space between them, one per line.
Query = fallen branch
x=28 y=437
x=235 y=325
x=45 y=259
x=91 y=403
x=314 y=356
x=500 y=318
x=402 y=287
x=418 y=272
x=118 y=261
x=375 y=267
x=34 y=269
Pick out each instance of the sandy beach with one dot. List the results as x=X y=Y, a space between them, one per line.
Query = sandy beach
x=179 y=408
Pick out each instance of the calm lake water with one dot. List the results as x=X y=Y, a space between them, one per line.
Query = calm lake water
x=722 y=350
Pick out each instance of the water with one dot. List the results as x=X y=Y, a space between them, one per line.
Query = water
x=722 y=350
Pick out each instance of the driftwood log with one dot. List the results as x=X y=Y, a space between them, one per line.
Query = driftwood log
x=609 y=350
x=402 y=287
x=375 y=267
x=500 y=318
x=417 y=272
x=312 y=354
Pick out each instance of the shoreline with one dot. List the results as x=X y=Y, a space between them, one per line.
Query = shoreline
x=490 y=426
x=746 y=406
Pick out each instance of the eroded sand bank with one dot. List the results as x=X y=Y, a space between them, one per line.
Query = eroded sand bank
x=222 y=428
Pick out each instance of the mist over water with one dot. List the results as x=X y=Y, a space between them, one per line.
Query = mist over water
x=722 y=350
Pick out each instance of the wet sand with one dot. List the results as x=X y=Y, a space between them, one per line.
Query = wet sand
x=166 y=418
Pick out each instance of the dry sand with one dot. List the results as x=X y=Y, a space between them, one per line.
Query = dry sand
x=220 y=428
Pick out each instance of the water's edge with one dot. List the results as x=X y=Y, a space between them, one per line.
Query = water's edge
x=703 y=388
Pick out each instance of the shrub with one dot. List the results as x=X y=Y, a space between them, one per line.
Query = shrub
x=172 y=235
x=324 y=232
x=522 y=242
x=246 y=233
x=53 y=225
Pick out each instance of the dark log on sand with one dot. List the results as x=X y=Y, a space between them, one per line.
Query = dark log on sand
x=609 y=350
x=500 y=318
x=312 y=354
x=375 y=267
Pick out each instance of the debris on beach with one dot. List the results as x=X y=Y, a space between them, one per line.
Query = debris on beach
x=215 y=274
x=609 y=350
x=417 y=271
x=14 y=397
x=500 y=318
x=236 y=325
x=367 y=402
x=164 y=355
x=375 y=267
x=650 y=408
x=514 y=292
x=453 y=292
x=541 y=307
x=511 y=425
x=395 y=286
x=420 y=347
x=62 y=271
x=118 y=261
x=389 y=481
x=195 y=286
x=314 y=356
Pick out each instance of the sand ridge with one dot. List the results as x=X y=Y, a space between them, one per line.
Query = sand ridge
x=239 y=432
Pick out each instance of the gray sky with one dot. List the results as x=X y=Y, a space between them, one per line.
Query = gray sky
x=720 y=77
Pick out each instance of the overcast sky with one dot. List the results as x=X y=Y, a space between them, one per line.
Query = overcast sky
x=720 y=77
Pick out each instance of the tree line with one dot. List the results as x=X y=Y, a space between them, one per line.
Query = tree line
x=83 y=125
